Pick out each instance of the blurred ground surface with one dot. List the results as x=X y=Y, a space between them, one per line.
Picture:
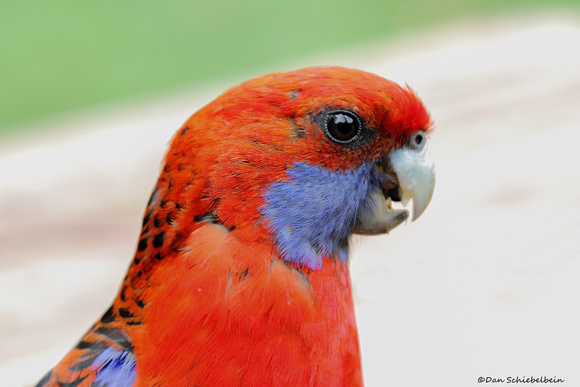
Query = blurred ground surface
x=484 y=284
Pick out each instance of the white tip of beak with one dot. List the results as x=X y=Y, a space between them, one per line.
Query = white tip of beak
x=416 y=173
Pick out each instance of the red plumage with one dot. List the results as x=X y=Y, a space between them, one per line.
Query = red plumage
x=255 y=320
x=209 y=299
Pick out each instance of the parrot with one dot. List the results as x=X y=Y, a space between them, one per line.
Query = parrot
x=241 y=271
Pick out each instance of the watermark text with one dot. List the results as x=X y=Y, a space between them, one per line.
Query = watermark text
x=521 y=379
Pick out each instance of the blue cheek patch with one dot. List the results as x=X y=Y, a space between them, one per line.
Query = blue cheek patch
x=313 y=213
x=116 y=368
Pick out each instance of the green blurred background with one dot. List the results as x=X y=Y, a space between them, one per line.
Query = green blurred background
x=65 y=55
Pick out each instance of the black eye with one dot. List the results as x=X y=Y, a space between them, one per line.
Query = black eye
x=342 y=126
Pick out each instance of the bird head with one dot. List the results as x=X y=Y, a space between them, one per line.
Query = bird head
x=303 y=159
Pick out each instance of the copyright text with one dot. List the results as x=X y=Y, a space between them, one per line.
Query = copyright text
x=521 y=379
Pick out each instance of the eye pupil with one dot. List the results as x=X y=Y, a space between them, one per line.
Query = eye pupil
x=343 y=123
x=342 y=126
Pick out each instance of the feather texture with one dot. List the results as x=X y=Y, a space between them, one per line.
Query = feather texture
x=240 y=276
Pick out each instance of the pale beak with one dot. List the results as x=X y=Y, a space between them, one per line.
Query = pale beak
x=416 y=173
x=407 y=176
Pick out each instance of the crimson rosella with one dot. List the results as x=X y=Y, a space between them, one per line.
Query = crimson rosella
x=240 y=275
